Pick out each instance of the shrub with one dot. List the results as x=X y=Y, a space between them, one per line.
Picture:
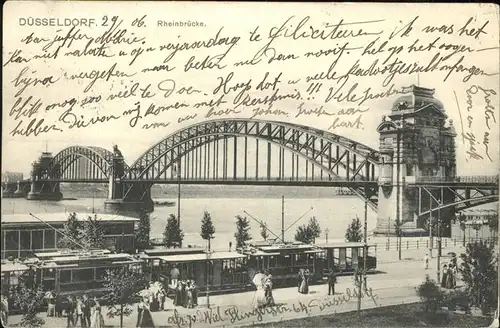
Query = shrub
x=432 y=296
x=458 y=299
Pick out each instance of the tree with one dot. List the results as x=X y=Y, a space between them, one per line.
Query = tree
x=173 y=235
x=29 y=299
x=480 y=275
x=304 y=234
x=92 y=233
x=264 y=233
x=493 y=222
x=207 y=228
x=143 y=231
x=308 y=233
x=399 y=233
x=123 y=285
x=242 y=235
x=314 y=228
x=72 y=233
x=353 y=232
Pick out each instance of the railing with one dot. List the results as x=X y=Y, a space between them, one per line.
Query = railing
x=393 y=243
x=459 y=179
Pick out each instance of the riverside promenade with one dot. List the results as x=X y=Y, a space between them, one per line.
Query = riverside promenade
x=394 y=284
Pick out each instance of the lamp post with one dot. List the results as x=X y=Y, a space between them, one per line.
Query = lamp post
x=326 y=235
x=178 y=172
x=209 y=255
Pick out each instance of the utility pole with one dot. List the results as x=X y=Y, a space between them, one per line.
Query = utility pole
x=326 y=235
x=439 y=247
x=365 y=248
x=283 y=219
x=178 y=167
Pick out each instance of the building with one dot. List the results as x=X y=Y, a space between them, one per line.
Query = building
x=22 y=234
x=476 y=225
x=11 y=177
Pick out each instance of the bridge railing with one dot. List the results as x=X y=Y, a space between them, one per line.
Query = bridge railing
x=459 y=179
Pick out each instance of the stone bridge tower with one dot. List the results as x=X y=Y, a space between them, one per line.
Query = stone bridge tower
x=416 y=144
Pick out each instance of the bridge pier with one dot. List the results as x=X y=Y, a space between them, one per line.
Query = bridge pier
x=124 y=197
x=415 y=142
x=43 y=190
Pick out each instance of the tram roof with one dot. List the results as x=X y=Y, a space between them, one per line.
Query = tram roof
x=59 y=254
x=9 y=267
x=91 y=257
x=174 y=251
x=200 y=257
x=20 y=218
x=344 y=245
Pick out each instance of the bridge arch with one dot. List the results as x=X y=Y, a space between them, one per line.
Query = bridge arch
x=100 y=163
x=337 y=156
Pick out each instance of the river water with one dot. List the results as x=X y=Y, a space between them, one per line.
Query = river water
x=224 y=203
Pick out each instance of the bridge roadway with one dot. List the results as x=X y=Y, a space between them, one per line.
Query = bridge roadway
x=238 y=181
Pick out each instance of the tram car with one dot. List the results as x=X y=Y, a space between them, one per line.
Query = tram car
x=347 y=257
x=284 y=261
x=221 y=271
x=66 y=272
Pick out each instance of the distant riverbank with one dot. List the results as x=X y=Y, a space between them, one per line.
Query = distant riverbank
x=210 y=191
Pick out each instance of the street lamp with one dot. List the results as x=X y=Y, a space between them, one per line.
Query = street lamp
x=209 y=256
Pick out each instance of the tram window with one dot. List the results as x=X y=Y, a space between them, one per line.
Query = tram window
x=25 y=240
x=301 y=259
x=273 y=261
x=50 y=239
x=37 y=239
x=65 y=276
x=11 y=240
x=83 y=275
x=286 y=261
x=48 y=274
x=14 y=278
x=128 y=228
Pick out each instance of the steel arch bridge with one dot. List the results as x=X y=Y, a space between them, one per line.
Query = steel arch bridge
x=80 y=164
x=194 y=153
x=257 y=152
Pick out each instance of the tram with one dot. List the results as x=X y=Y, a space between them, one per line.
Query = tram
x=66 y=272
x=283 y=261
x=347 y=257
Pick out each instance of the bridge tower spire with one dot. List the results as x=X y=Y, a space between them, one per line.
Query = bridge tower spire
x=416 y=143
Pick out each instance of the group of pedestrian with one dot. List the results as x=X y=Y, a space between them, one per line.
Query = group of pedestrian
x=449 y=279
x=186 y=294
x=83 y=311
x=263 y=296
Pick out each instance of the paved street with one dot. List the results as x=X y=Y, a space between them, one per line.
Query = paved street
x=395 y=284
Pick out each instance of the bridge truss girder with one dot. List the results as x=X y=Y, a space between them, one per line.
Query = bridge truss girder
x=336 y=156
x=464 y=196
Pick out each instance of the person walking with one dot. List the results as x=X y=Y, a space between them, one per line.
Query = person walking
x=96 y=318
x=51 y=308
x=426 y=261
x=70 y=312
x=332 y=279
x=174 y=276
x=86 y=310
x=144 y=318
x=79 y=312
x=445 y=276
x=5 y=310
